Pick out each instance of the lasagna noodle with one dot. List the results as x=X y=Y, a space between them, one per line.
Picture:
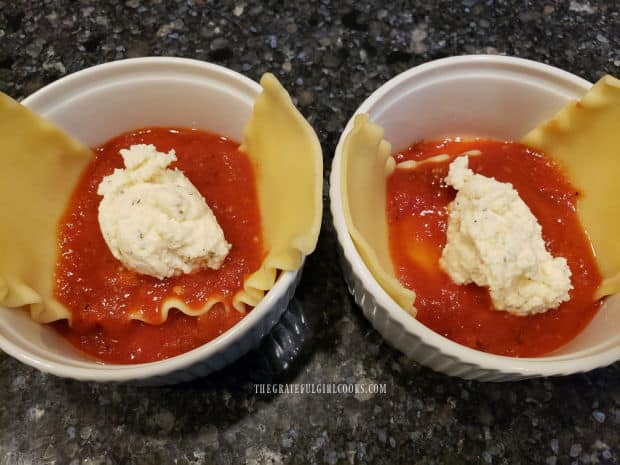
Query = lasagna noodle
x=366 y=163
x=40 y=167
x=176 y=303
x=583 y=137
x=288 y=164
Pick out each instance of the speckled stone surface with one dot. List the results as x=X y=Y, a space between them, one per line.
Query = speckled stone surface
x=330 y=55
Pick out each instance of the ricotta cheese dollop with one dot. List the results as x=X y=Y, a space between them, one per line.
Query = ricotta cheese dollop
x=494 y=240
x=154 y=220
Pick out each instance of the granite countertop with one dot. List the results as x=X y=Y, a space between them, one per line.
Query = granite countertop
x=330 y=55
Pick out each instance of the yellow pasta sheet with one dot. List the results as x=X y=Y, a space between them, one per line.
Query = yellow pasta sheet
x=584 y=137
x=365 y=165
x=288 y=164
x=39 y=166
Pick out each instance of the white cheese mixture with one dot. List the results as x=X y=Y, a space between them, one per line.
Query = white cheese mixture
x=154 y=220
x=494 y=240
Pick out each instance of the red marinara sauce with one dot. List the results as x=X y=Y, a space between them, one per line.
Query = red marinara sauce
x=100 y=292
x=417 y=202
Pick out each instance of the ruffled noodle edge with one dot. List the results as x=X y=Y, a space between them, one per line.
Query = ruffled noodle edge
x=366 y=153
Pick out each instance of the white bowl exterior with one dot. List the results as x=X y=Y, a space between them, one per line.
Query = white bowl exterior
x=104 y=101
x=488 y=96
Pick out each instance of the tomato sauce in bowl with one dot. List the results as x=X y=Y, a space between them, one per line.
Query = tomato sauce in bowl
x=101 y=293
x=417 y=213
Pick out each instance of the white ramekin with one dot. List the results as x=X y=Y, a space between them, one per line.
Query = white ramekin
x=99 y=103
x=490 y=96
